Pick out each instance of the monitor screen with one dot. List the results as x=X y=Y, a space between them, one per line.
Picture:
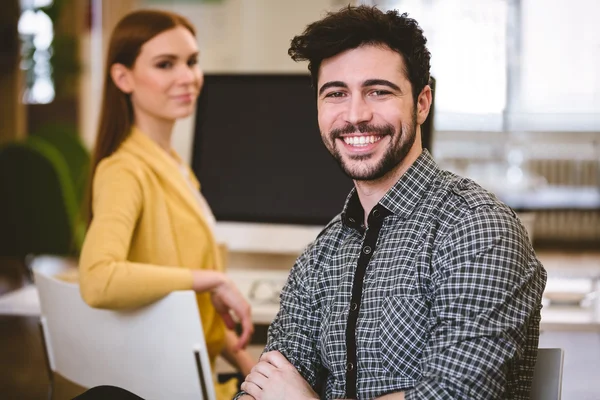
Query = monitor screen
x=258 y=152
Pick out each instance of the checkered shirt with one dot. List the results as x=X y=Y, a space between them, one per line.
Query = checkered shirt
x=439 y=297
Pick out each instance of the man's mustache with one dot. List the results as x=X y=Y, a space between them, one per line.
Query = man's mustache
x=381 y=130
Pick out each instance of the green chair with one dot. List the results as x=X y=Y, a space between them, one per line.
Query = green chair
x=38 y=205
x=66 y=140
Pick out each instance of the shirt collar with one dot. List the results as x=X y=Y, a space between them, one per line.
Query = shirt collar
x=401 y=199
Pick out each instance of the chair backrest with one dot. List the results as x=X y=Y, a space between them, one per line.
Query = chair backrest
x=547 y=378
x=156 y=352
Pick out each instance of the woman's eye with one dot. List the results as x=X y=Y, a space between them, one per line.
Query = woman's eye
x=164 y=64
x=191 y=62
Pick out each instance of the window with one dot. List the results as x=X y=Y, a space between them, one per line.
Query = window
x=512 y=64
x=559 y=83
x=37 y=32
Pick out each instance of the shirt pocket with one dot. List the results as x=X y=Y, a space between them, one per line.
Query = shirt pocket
x=403 y=335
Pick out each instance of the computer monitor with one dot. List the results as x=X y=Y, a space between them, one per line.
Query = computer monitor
x=258 y=152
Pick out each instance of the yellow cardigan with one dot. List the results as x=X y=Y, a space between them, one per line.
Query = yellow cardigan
x=147 y=234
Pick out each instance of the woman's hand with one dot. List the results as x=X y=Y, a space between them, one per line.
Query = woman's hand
x=227 y=298
x=240 y=359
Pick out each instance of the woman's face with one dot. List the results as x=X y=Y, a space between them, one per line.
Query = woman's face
x=165 y=80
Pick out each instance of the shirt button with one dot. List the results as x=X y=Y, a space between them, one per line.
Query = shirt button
x=351 y=220
x=367 y=250
x=349 y=366
x=353 y=307
x=376 y=213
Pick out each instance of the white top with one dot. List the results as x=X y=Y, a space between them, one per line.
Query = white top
x=208 y=214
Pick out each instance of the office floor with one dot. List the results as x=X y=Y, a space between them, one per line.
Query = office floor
x=23 y=373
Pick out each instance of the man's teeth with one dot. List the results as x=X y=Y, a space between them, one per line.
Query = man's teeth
x=361 y=140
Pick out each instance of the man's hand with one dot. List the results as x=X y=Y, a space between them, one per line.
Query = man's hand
x=392 y=396
x=274 y=378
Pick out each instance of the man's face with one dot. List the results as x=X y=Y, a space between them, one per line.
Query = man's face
x=367 y=117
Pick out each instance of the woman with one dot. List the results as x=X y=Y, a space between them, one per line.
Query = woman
x=150 y=228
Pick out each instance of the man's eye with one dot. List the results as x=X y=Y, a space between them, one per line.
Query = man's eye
x=380 y=92
x=192 y=61
x=335 y=94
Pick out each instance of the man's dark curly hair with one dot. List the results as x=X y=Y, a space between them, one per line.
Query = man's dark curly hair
x=352 y=27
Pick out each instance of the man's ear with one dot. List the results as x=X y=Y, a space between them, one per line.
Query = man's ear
x=424 y=104
x=121 y=76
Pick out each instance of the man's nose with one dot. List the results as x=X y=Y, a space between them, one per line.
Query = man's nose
x=359 y=111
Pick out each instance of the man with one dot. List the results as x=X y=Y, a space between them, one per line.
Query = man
x=425 y=286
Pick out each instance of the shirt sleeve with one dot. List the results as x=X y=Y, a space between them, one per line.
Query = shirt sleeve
x=294 y=331
x=107 y=279
x=485 y=312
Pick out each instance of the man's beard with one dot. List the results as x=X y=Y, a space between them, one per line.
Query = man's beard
x=400 y=145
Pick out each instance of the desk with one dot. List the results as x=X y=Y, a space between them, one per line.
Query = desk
x=22 y=302
x=262 y=289
x=25 y=302
x=564 y=318
x=553 y=198
x=253 y=284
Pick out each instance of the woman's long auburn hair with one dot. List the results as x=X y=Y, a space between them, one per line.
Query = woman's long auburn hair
x=116 y=113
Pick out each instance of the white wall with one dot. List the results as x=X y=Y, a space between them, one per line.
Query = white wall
x=249 y=35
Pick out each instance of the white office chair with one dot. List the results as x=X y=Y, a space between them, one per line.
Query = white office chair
x=156 y=352
x=547 y=378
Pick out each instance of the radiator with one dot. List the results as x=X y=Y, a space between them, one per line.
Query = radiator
x=567 y=172
x=567 y=226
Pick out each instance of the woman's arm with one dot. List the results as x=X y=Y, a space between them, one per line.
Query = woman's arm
x=107 y=279
x=239 y=359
